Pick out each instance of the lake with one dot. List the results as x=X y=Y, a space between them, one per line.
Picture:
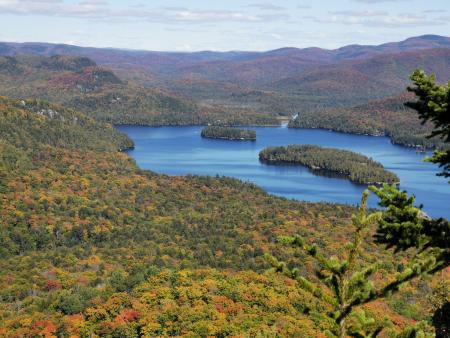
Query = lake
x=181 y=151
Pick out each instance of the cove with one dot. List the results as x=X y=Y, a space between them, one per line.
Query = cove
x=182 y=151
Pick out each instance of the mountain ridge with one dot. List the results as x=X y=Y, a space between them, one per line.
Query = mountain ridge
x=415 y=42
x=274 y=83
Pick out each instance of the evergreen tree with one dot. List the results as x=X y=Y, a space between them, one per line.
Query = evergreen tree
x=433 y=105
x=403 y=225
x=345 y=284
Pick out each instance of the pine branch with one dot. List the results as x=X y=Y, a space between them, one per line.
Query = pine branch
x=359 y=278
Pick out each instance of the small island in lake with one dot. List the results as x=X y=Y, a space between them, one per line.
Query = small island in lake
x=356 y=167
x=228 y=133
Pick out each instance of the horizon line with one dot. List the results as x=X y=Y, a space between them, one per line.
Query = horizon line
x=218 y=51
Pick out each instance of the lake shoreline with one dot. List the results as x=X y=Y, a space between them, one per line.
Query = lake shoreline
x=180 y=151
x=416 y=147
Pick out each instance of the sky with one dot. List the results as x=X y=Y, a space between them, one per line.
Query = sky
x=222 y=25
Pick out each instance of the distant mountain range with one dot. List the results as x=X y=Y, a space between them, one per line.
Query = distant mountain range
x=375 y=77
x=277 y=83
x=161 y=59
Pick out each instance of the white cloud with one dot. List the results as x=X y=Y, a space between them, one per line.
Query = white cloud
x=301 y=6
x=99 y=9
x=267 y=6
x=40 y=1
x=203 y=16
x=53 y=8
x=93 y=3
x=443 y=19
x=378 y=19
x=360 y=13
x=402 y=20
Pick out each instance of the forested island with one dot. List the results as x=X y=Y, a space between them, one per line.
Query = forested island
x=228 y=133
x=356 y=167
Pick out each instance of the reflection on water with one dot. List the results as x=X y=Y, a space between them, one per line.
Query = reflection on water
x=181 y=151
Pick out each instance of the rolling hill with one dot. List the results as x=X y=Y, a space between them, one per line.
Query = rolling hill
x=238 y=87
x=358 y=81
x=77 y=82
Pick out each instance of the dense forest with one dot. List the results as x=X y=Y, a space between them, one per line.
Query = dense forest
x=228 y=133
x=356 y=167
x=388 y=117
x=80 y=84
x=42 y=123
x=93 y=246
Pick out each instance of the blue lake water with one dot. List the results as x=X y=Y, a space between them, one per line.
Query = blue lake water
x=181 y=151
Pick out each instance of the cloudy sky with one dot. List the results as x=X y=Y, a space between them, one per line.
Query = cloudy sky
x=188 y=25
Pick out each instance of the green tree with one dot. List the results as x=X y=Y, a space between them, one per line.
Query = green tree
x=345 y=283
x=69 y=303
x=433 y=104
x=405 y=226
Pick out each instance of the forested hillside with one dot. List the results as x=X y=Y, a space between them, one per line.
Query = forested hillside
x=30 y=124
x=78 y=83
x=387 y=117
x=240 y=66
x=360 y=80
x=284 y=84
x=91 y=245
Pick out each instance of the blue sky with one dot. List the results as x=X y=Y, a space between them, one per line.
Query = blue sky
x=189 y=25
